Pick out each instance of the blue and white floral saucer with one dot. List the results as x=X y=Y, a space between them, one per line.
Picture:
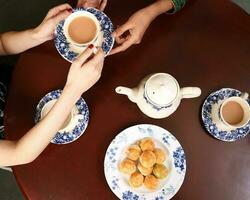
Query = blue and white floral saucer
x=213 y=99
x=117 y=181
x=78 y=129
x=105 y=39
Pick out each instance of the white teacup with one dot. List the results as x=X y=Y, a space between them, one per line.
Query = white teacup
x=79 y=14
x=68 y=123
x=220 y=111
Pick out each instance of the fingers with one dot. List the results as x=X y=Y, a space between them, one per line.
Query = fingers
x=84 y=56
x=97 y=59
x=56 y=19
x=54 y=11
x=120 y=40
x=122 y=29
x=103 y=5
x=123 y=46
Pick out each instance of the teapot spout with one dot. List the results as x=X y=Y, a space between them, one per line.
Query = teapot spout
x=127 y=91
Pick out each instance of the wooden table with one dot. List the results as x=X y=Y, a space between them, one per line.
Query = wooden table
x=207 y=45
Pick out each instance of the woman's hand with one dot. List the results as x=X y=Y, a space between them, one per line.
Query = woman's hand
x=85 y=72
x=45 y=31
x=99 y=4
x=136 y=26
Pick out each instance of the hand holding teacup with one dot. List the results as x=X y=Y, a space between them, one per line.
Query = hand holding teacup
x=136 y=26
x=45 y=31
x=85 y=72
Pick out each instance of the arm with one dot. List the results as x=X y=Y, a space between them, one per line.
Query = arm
x=17 y=42
x=35 y=141
x=138 y=23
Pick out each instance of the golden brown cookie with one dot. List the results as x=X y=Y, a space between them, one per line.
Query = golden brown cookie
x=133 y=152
x=127 y=166
x=136 y=180
x=147 y=144
x=144 y=171
x=147 y=159
x=151 y=182
x=160 y=155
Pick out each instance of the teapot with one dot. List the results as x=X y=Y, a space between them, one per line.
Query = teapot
x=158 y=95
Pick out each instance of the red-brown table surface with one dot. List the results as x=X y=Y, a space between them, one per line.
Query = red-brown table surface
x=207 y=45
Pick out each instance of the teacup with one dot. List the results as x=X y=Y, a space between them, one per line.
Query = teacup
x=81 y=28
x=68 y=123
x=232 y=113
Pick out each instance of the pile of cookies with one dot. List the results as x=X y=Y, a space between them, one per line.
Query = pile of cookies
x=144 y=164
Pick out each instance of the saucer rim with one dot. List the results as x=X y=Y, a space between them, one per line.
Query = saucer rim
x=159 y=192
x=227 y=132
x=84 y=9
x=37 y=118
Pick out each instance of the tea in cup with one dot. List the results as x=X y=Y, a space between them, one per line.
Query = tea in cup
x=233 y=113
x=81 y=28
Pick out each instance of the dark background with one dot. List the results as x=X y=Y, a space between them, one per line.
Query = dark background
x=206 y=44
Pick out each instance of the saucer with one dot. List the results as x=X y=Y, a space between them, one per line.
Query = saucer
x=69 y=51
x=77 y=130
x=212 y=100
x=116 y=152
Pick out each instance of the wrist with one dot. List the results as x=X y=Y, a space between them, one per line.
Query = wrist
x=35 y=34
x=159 y=7
x=72 y=91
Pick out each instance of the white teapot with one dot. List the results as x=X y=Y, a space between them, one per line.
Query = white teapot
x=158 y=95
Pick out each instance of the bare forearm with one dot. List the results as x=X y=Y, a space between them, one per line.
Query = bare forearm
x=17 y=42
x=159 y=7
x=36 y=140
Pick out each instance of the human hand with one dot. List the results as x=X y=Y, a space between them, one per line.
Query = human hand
x=99 y=4
x=85 y=72
x=136 y=25
x=45 y=31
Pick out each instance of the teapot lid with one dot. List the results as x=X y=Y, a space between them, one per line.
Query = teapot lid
x=162 y=89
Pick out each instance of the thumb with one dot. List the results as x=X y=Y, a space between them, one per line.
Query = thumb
x=60 y=17
x=122 y=29
x=84 y=55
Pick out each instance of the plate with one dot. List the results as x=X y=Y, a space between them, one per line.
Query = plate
x=213 y=99
x=79 y=128
x=69 y=51
x=116 y=153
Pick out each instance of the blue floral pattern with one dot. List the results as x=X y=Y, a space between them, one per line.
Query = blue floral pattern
x=154 y=106
x=115 y=183
x=179 y=159
x=114 y=155
x=79 y=129
x=212 y=99
x=128 y=195
x=63 y=46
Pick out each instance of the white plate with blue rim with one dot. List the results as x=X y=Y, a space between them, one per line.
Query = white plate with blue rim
x=116 y=153
x=80 y=126
x=105 y=40
x=213 y=99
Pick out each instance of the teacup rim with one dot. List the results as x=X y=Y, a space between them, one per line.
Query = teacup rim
x=244 y=101
x=75 y=14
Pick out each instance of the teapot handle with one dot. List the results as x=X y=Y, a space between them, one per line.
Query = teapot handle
x=190 y=92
